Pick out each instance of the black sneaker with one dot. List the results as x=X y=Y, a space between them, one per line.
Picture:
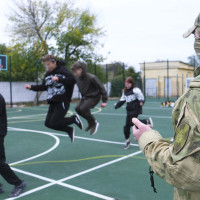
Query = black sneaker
x=150 y=122
x=127 y=146
x=88 y=128
x=18 y=190
x=72 y=134
x=78 y=122
x=94 y=128
x=1 y=189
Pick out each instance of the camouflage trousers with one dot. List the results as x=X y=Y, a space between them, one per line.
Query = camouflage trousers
x=180 y=194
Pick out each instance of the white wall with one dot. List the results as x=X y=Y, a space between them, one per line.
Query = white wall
x=20 y=94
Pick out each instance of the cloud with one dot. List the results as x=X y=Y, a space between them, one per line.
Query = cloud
x=138 y=30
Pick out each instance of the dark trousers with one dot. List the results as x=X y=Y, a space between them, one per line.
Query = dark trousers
x=130 y=124
x=83 y=108
x=56 y=119
x=5 y=170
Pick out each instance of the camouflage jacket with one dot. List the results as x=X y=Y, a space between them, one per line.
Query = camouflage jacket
x=178 y=163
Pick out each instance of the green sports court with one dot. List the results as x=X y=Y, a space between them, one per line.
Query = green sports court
x=94 y=167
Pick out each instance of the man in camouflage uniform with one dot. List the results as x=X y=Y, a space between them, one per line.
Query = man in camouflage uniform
x=178 y=163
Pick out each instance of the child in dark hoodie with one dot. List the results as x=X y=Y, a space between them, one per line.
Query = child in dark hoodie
x=92 y=90
x=59 y=83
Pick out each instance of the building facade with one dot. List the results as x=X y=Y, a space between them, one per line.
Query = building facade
x=164 y=78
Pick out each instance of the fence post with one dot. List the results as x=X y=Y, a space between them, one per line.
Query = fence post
x=37 y=82
x=95 y=69
x=159 y=93
x=144 y=79
x=107 y=78
x=177 y=85
x=10 y=78
x=167 y=80
x=164 y=86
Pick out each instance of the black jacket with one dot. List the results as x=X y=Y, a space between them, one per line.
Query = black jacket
x=132 y=97
x=60 y=91
x=3 y=117
x=90 y=86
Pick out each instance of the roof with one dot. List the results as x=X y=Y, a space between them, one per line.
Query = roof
x=165 y=61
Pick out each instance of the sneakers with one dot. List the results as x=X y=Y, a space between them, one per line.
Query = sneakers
x=78 y=122
x=88 y=128
x=72 y=134
x=127 y=146
x=94 y=128
x=150 y=122
x=18 y=190
x=1 y=189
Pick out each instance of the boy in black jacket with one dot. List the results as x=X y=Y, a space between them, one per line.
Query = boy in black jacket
x=59 y=83
x=92 y=90
x=135 y=99
x=5 y=170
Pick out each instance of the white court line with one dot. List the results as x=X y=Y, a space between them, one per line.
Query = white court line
x=117 y=114
x=26 y=116
x=53 y=182
x=99 y=113
x=99 y=166
x=60 y=182
x=82 y=138
x=96 y=140
x=41 y=154
x=150 y=108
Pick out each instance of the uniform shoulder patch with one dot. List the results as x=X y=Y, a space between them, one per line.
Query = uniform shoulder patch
x=181 y=137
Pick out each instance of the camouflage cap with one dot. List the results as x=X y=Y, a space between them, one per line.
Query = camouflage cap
x=192 y=29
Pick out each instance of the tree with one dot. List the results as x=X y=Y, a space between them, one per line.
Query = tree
x=23 y=64
x=97 y=70
x=37 y=22
x=193 y=60
x=40 y=23
x=117 y=83
x=80 y=39
x=3 y=49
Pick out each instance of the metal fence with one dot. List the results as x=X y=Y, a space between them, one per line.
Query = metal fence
x=167 y=86
x=166 y=79
x=15 y=93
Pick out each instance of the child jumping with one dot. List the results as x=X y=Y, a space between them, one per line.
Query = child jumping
x=135 y=100
x=92 y=90
x=59 y=83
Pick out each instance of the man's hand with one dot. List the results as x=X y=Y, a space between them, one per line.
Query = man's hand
x=141 y=103
x=103 y=105
x=27 y=86
x=141 y=128
x=54 y=78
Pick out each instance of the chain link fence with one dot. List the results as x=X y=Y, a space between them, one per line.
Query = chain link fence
x=160 y=82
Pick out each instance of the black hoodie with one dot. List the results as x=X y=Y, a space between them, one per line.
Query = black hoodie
x=60 y=91
x=3 y=117
x=90 y=86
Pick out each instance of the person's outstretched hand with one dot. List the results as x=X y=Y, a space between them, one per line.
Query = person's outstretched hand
x=139 y=128
x=27 y=86
x=103 y=105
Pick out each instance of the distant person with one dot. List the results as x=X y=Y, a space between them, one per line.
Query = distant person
x=135 y=100
x=5 y=170
x=178 y=163
x=59 y=83
x=92 y=91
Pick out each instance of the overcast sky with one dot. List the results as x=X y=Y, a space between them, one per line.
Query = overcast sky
x=137 y=30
